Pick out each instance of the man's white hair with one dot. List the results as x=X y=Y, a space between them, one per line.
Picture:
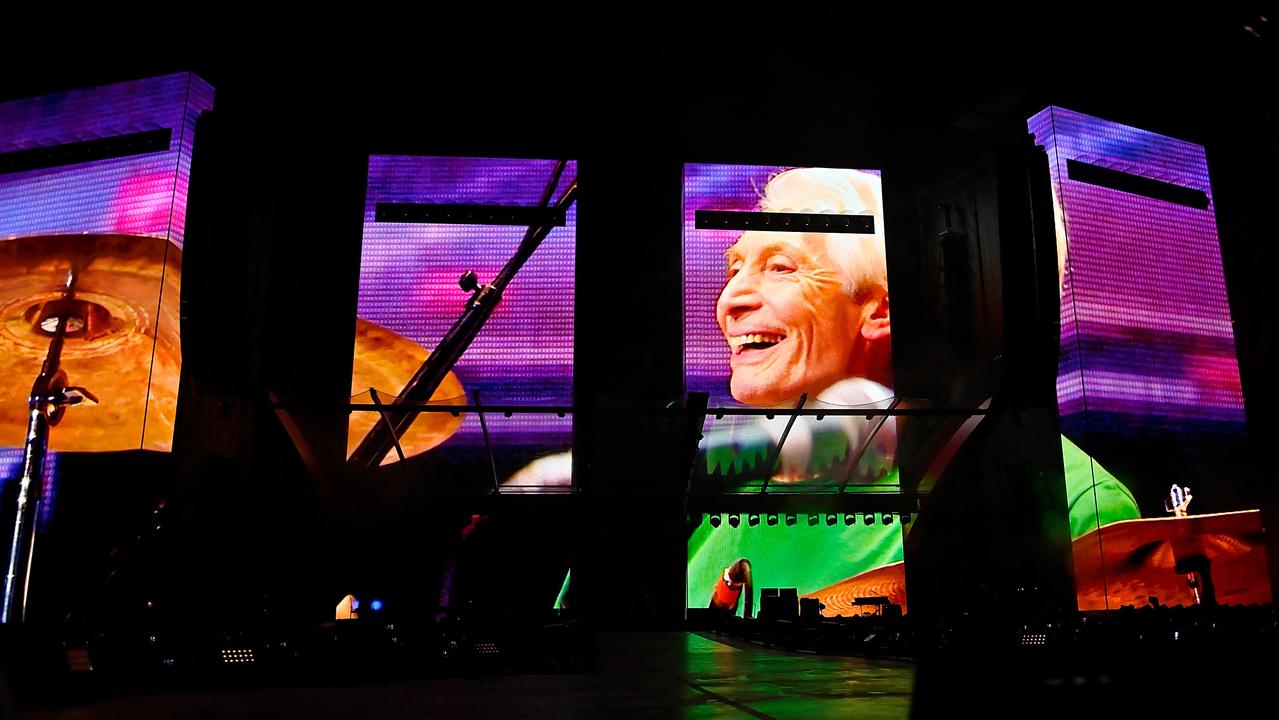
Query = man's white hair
x=847 y=192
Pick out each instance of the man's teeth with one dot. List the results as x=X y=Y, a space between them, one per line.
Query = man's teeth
x=737 y=342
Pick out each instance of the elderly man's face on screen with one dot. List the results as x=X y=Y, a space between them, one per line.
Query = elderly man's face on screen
x=791 y=323
x=803 y=311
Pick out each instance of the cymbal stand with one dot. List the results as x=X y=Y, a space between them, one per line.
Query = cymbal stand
x=49 y=399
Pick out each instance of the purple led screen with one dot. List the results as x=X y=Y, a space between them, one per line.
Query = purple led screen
x=1147 y=343
x=11 y=471
x=137 y=195
x=97 y=179
x=715 y=187
x=409 y=285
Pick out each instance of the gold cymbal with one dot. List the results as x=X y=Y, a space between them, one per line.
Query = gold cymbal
x=127 y=351
x=385 y=361
x=1128 y=561
x=840 y=599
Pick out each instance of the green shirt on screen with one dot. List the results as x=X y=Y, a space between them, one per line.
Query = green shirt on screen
x=811 y=558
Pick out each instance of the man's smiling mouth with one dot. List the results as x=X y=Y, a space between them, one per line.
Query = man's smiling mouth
x=753 y=341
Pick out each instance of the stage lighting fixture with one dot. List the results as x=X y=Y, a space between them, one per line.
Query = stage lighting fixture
x=812 y=520
x=772 y=519
x=850 y=518
x=791 y=519
x=734 y=520
x=868 y=518
x=886 y=518
x=904 y=518
x=831 y=519
x=237 y=656
x=375 y=605
x=752 y=519
x=716 y=519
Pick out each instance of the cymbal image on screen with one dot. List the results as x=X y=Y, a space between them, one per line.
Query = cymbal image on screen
x=842 y=598
x=1126 y=562
x=122 y=342
x=385 y=361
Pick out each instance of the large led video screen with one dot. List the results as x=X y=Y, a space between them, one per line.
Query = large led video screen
x=409 y=297
x=93 y=191
x=786 y=299
x=1148 y=381
x=850 y=564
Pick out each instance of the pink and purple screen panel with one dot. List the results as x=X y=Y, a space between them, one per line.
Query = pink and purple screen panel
x=409 y=284
x=714 y=187
x=143 y=194
x=1147 y=342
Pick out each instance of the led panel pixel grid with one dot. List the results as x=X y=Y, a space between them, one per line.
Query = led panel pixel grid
x=1147 y=340
x=409 y=285
x=716 y=187
x=97 y=180
x=142 y=194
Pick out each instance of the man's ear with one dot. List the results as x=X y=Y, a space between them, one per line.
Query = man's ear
x=876 y=323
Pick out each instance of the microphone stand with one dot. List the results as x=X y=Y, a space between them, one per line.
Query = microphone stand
x=484 y=299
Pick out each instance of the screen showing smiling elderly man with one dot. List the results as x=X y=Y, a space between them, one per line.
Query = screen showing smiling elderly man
x=802 y=311
x=776 y=315
x=772 y=316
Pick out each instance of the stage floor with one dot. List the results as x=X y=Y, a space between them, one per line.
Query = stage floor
x=641 y=675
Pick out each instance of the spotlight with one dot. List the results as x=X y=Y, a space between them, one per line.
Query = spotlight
x=812 y=520
x=831 y=519
x=791 y=519
x=850 y=518
x=868 y=518
x=772 y=519
x=375 y=605
x=904 y=518
x=752 y=519
x=716 y=519
x=886 y=518
x=734 y=519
